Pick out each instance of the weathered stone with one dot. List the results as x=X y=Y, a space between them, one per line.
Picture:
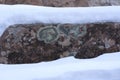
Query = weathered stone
x=103 y=2
x=100 y=38
x=3 y=60
x=33 y=2
x=64 y=3
x=53 y=3
x=30 y=43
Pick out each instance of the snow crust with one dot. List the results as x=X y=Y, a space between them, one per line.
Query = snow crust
x=22 y=14
x=105 y=67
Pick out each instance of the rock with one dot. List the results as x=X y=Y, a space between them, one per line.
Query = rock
x=33 y=2
x=53 y=3
x=100 y=38
x=64 y=3
x=3 y=60
x=103 y=2
x=22 y=46
x=31 y=43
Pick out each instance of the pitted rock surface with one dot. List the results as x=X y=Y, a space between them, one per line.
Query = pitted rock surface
x=31 y=43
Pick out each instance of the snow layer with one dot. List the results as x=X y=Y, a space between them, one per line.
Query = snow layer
x=105 y=67
x=21 y=14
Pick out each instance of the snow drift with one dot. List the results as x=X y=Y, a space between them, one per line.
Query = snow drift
x=105 y=67
x=23 y=14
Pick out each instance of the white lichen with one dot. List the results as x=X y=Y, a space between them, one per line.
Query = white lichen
x=78 y=31
x=108 y=43
x=48 y=34
x=64 y=28
x=73 y=31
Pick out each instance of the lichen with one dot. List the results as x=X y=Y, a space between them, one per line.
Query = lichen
x=64 y=28
x=72 y=30
x=77 y=31
x=48 y=34
x=108 y=42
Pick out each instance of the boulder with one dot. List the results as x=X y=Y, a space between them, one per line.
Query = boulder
x=32 y=43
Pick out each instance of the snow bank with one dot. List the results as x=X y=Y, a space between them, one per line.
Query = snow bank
x=105 y=67
x=21 y=14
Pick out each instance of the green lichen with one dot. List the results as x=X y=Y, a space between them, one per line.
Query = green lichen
x=48 y=34
x=72 y=30
x=78 y=31
x=64 y=28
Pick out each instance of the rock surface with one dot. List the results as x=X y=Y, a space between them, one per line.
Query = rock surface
x=64 y=3
x=31 y=43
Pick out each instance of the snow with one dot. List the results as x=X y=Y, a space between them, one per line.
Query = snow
x=104 y=67
x=22 y=14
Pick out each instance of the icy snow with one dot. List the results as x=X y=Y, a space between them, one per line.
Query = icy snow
x=104 y=67
x=21 y=14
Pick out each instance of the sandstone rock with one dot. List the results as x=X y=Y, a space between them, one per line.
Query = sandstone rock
x=64 y=3
x=31 y=43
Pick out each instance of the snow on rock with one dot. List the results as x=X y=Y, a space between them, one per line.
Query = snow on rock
x=28 y=14
x=21 y=14
x=105 y=67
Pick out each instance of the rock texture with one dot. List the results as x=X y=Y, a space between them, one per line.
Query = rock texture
x=31 y=43
x=33 y=2
x=103 y=2
x=64 y=3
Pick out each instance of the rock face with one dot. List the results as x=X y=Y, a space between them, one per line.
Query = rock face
x=53 y=3
x=103 y=2
x=64 y=3
x=31 y=43
x=33 y=2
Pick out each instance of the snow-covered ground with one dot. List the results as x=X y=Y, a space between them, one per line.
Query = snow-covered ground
x=20 y=14
x=105 y=67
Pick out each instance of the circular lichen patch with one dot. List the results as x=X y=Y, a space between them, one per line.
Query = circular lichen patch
x=47 y=34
